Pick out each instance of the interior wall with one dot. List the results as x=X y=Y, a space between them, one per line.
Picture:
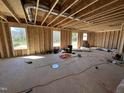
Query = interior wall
x=39 y=39
x=110 y=39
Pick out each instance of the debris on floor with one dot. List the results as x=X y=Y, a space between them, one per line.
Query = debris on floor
x=55 y=66
x=29 y=91
x=29 y=62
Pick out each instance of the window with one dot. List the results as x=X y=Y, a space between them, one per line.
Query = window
x=56 y=38
x=84 y=36
x=75 y=40
x=18 y=38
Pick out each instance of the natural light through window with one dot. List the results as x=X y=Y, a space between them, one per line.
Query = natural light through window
x=84 y=36
x=56 y=39
x=33 y=57
x=18 y=38
x=75 y=40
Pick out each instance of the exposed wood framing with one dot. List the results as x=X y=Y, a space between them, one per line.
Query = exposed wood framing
x=75 y=12
x=23 y=12
x=97 y=15
x=108 y=16
x=37 y=6
x=114 y=1
x=110 y=39
x=121 y=46
x=63 y=11
x=106 y=21
x=50 y=11
x=95 y=10
x=2 y=17
x=10 y=10
x=105 y=12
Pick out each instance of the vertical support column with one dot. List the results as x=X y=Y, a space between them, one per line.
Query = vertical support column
x=121 y=46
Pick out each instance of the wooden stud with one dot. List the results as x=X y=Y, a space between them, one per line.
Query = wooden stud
x=121 y=45
x=50 y=11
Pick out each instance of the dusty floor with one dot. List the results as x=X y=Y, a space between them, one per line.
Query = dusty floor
x=75 y=75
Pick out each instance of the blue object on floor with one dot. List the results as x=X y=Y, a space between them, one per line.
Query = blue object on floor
x=55 y=66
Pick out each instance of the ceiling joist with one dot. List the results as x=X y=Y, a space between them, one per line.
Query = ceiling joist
x=64 y=10
x=23 y=11
x=79 y=10
x=94 y=10
x=2 y=17
x=107 y=16
x=50 y=11
x=10 y=9
x=37 y=6
x=106 y=21
x=97 y=15
x=105 y=12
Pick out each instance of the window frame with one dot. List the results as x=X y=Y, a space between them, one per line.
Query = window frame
x=25 y=37
x=77 y=40
x=59 y=38
x=85 y=36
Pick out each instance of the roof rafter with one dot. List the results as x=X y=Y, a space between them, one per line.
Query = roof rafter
x=63 y=11
x=95 y=10
x=76 y=12
x=106 y=21
x=11 y=10
x=23 y=11
x=114 y=1
x=103 y=17
x=50 y=11
x=99 y=14
x=37 y=6
x=2 y=17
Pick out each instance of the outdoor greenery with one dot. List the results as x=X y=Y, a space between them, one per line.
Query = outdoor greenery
x=56 y=38
x=19 y=38
x=74 y=40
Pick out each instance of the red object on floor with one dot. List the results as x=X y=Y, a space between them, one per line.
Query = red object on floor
x=65 y=55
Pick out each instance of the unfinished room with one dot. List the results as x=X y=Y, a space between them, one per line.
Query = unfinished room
x=61 y=46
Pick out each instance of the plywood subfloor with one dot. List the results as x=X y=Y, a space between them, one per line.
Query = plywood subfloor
x=75 y=75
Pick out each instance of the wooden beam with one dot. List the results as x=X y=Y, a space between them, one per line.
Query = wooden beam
x=106 y=22
x=97 y=9
x=105 y=12
x=76 y=12
x=12 y=12
x=37 y=6
x=114 y=1
x=99 y=14
x=50 y=11
x=2 y=17
x=63 y=11
x=107 y=16
x=23 y=11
